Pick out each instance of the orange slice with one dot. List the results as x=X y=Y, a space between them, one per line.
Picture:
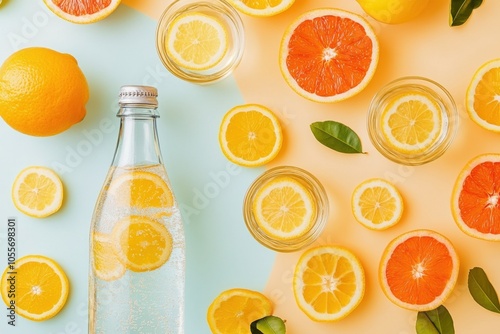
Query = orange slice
x=329 y=283
x=482 y=99
x=261 y=7
x=106 y=265
x=82 y=11
x=475 y=201
x=232 y=311
x=328 y=55
x=419 y=270
x=37 y=192
x=284 y=208
x=412 y=122
x=377 y=204
x=41 y=287
x=250 y=135
x=140 y=243
x=196 y=41
x=141 y=190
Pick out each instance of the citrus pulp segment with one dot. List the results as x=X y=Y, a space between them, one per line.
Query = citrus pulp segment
x=37 y=191
x=483 y=96
x=141 y=189
x=377 y=204
x=82 y=11
x=41 y=287
x=412 y=122
x=328 y=55
x=418 y=270
x=42 y=92
x=196 y=41
x=329 y=283
x=261 y=7
x=140 y=243
x=284 y=208
x=106 y=265
x=233 y=310
x=250 y=135
x=475 y=200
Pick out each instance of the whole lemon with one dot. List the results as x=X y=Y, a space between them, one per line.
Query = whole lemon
x=393 y=11
x=42 y=92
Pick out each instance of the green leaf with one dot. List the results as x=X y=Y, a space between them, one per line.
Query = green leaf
x=460 y=10
x=482 y=291
x=437 y=321
x=268 y=325
x=337 y=136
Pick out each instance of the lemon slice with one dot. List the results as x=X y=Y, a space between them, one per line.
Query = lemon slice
x=377 y=204
x=196 y=41
x=233 y=310
x=142 y=190
x=41 y=287
x=329 y=283
x=37 y=192
x=412 y=122
x=261 y=8
x=140 y=243
x=105 y=262
x=483 y=96
x=250 y=135
x=284 y=208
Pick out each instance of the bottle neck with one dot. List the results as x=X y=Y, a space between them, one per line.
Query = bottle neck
x=138 y=143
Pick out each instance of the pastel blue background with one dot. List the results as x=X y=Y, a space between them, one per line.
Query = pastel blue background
x=119 y=50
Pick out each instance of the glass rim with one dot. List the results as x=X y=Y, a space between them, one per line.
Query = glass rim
x=317 y=191
x=438 y=148
x=172 y=11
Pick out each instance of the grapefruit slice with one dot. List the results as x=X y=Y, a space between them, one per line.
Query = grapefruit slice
x=419 y=270
x=475 y=200
x=82 y=11
x=328 y=55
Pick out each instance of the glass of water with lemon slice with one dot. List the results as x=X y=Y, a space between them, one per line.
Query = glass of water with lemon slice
x=286 y=208
x=412 y=120
x=200 y=41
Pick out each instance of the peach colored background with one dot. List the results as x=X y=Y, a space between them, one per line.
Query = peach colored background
x=427 y=47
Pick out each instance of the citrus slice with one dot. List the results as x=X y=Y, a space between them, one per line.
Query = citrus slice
x=475 y=200
x=261 y=7
x=328 y=55
x=418 y=270
x=482 y=99
x=40 y=284
x=250 y=135
x=412 y=122
x=140 y=243
x=142 y=190
x=233 y=310
x=82 y=11
x=106 y=265
x=196 y=41
x=377 y=204
x=329 y=283
x=284 y=208
x=37 y=191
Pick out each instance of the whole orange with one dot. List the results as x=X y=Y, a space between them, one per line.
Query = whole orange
x=42 y=92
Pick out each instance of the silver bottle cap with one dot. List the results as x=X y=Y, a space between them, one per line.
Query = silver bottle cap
x=132 y=94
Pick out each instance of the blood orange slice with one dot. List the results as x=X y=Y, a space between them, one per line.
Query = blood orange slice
x=328 y=55
x=419 y=270
x=82 y=11
x=475 y=201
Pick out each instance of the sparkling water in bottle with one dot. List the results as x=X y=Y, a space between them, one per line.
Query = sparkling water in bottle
x=137 y=248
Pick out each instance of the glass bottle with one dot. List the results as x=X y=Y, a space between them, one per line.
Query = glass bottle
x=137 y=246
